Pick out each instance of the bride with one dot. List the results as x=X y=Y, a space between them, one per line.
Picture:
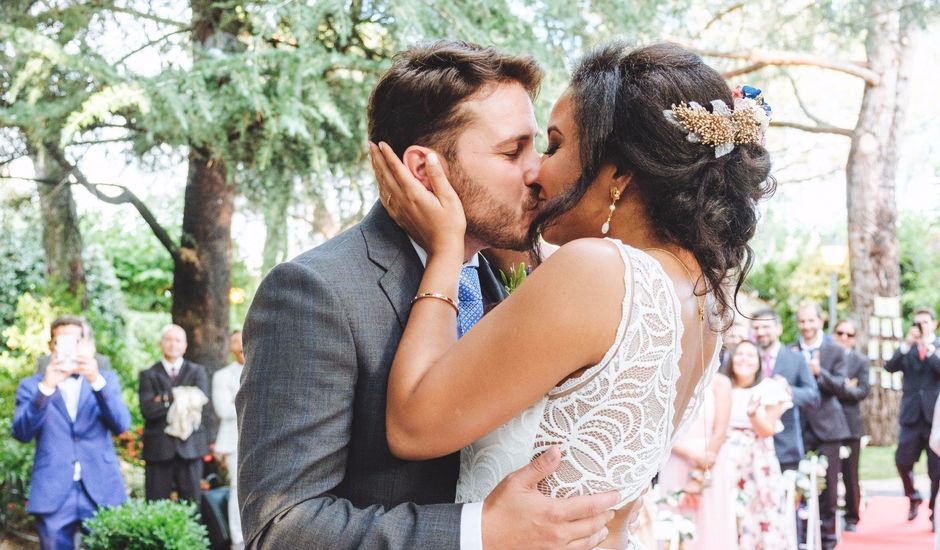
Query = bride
x=607 y=345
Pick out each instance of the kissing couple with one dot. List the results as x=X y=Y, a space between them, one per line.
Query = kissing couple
x=380 y=407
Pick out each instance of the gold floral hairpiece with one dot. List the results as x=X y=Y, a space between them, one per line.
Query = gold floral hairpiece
x=722 y=127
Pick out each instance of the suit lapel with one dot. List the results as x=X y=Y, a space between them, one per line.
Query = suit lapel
x=493 y=290
x=183 y=372
x=59 y=401
x=388 y=247
x=84 y=395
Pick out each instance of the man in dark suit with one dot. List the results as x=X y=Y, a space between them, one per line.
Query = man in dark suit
x=781 y=361
x=854 y=389
x=315 y=470
x=171 y=462
x=917 y=358
x=71 y=409
x=825 y=426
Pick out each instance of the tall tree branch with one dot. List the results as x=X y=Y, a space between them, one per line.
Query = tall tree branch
x=153 y=42
x=144 y=15
x=813 y=129
x=782 y=58
x=803 y=107
x=747 y=69
x=126 y=196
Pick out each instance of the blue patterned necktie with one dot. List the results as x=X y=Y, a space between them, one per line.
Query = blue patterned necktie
x=470 y=300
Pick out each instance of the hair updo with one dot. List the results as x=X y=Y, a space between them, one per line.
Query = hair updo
x=704 y=204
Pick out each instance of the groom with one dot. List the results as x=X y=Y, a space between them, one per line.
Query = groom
x=315 y=470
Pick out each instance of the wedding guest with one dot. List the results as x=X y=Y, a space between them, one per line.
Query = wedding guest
x=824 y=426
x=225 y=383
x=172 y=462
x=917 y=358
x=698 y=467
x=72 y=409
x=731 y=338
x=780 y=361
x=854 y=389
x=757 y=405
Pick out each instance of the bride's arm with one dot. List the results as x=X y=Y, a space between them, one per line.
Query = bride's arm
x=443 y=393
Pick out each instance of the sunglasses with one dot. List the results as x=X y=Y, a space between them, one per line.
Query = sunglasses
x=844 y=333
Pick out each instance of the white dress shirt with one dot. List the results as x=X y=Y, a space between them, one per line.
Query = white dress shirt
x=225 y=383
x=172 y=369
x=471 y=513
x=71 y=390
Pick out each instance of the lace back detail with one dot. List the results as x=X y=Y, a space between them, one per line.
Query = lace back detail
x=614 y=423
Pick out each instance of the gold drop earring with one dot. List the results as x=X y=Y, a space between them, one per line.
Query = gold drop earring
x=614 y=197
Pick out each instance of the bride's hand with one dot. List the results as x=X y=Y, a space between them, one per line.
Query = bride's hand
x=434 y=219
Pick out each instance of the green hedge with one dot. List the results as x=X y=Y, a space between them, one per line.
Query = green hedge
x=141 y=525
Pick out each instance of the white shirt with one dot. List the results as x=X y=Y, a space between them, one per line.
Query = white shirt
x=225 y=383
x=471 y=513
x=172 y=369
x=71 y=390
x=808 y=347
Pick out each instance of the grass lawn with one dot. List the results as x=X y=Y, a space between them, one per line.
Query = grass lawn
x=878 y=463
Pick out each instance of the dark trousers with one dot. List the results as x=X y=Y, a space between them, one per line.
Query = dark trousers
x=853 y=494
x=182 y=474
x=57 y=530
x=911 y=441
x=829 y=497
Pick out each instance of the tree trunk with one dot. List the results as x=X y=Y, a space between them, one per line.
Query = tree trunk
x=871 y=174
x=61 y=236
x=202 y=275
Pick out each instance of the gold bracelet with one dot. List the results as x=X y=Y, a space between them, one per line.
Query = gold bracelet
x=450 y=301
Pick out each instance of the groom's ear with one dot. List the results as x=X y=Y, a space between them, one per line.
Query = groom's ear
x=416 y=160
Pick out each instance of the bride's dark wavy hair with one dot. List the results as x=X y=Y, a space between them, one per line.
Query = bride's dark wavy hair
x=704 y=204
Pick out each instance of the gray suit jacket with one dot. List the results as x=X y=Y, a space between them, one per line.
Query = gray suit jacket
x=314 y=468
x=827 y=421
x=792 y=366
x=856 y=367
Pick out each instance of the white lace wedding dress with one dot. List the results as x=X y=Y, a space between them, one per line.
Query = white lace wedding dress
x=614 y=422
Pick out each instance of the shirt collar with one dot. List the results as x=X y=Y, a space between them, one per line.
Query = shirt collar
x=773 y=350
x=423 y=256
x=815 y=344
x=172 y=367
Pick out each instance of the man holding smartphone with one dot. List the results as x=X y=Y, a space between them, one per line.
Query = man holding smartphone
x=72 y=408
x=917 y=358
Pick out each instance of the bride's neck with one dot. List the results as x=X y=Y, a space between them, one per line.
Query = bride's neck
x=630 y=225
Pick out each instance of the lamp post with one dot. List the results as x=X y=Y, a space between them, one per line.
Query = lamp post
x=833 y=255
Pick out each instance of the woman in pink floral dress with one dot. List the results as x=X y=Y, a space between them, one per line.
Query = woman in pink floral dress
x=764 y=516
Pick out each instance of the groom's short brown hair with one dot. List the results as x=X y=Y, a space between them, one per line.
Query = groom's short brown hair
x=417 y=101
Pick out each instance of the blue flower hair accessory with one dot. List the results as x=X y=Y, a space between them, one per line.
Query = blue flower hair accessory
x=723 y=127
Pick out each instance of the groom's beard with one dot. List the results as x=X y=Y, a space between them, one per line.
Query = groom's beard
x=489 y=221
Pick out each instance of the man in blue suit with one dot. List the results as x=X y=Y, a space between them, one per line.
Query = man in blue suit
x=780 y=361
x=71 y=409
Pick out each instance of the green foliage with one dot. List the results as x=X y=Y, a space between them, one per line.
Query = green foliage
x=25 y=340
x=919 y=238
x=21 y=270
x=515 y=277
x=142 y=266
x=141 y=525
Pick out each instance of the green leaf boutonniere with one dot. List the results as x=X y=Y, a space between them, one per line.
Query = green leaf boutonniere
x=516 y=275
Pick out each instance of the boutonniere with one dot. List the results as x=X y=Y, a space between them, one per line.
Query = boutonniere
x=515 y=278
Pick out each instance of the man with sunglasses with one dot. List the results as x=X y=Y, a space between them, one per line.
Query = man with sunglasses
x=854 y=389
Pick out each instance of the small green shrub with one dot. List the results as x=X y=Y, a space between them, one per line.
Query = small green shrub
x=141 y=525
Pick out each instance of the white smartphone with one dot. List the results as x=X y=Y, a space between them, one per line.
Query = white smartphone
x=66 y=347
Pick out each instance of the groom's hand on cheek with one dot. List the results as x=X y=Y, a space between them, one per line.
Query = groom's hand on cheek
x=517 y=515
